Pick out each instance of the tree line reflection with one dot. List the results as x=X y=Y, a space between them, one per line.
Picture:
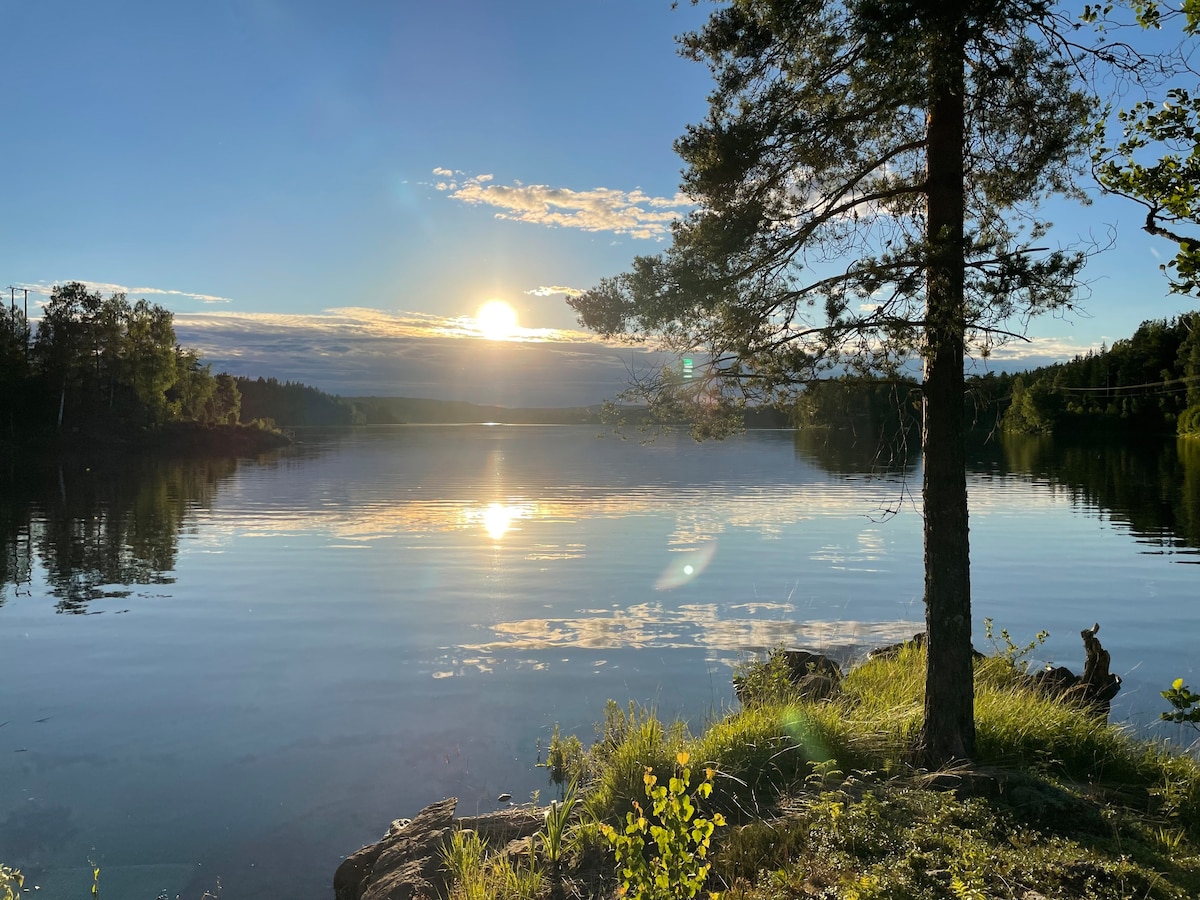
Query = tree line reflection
x=1153 y=486
x=78 y=533
x=94 y=531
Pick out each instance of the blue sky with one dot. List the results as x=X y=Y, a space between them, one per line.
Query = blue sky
x=328 y=192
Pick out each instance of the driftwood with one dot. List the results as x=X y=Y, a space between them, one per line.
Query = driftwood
x=1094 y=689
x=1099 y=684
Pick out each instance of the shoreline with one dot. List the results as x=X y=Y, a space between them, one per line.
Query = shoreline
x=808 y=794
x=180 y=438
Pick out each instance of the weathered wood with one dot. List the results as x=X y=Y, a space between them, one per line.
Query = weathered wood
x=1098 y=684
x=1094 y=689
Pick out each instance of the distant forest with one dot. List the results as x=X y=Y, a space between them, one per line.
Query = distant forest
x=1146 y=384
x=1149 y=383
x=98 y=366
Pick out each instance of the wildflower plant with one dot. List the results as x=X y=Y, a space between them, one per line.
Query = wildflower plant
x=11 y=883
x=678 y=865
x=1184 y=709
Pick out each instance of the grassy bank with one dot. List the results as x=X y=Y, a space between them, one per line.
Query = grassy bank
x=817 y=799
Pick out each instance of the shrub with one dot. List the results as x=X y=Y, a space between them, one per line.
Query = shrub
x=678 y=865
x=11 y=882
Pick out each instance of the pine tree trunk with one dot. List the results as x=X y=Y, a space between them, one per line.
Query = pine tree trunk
x=949 y=730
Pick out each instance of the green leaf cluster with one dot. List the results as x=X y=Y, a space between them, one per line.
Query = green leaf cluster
x=11 y=883
x=1156 y=161
x=677 y=865
x=1185 y=706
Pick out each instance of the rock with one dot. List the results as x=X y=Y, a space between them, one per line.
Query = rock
x=818 y=677
x=891 y=651
x=1054 y=682
x=816 y=686
x=406 y=864
x=802 y=663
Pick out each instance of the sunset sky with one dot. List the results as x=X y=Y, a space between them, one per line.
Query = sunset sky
x=329 y=192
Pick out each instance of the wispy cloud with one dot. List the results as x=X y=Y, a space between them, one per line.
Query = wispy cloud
x=1018 y=356
x=553 y=290
x=634 y=213
x=44 y=289
x=203 y=298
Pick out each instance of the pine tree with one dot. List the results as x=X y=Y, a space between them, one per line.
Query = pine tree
x=867 y=181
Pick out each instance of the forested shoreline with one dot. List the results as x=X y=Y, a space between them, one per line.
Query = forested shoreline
x=103 y=370
x=107 y=370
x=1148 y=383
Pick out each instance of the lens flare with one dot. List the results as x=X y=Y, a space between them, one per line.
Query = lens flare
x=685 y=566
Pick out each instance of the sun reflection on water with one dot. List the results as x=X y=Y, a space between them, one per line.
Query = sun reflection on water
x=498 y=519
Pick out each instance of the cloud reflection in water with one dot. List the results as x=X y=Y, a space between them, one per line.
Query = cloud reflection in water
x=696 y=625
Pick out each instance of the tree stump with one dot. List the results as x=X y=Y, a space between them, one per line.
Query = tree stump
x=1098 y=685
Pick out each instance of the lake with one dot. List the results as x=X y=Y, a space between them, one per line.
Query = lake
x=240 y=672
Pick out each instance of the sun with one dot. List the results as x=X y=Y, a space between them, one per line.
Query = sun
x=497 y=320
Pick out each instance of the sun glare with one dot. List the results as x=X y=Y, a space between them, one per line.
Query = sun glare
x=497 y=320
x=497 y=519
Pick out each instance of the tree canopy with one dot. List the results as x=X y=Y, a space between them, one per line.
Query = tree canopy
x=103 y=362
x=867 y=182
x=1156 y=161
x=809 y=250
x=1148 y=383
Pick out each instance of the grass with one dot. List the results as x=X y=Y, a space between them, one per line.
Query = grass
x=823 y=801
x=474 y=875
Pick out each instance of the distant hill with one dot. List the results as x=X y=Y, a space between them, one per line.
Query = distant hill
x=417 y=411
x=291 y=404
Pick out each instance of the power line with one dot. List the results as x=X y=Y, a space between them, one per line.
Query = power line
x=1185 y=379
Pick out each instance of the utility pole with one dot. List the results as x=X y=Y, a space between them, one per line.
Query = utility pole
x=12 y=303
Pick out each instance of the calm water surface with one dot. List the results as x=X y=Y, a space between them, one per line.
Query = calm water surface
x=244 y=671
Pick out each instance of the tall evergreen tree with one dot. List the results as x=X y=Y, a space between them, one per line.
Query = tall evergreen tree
x=867 y=181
